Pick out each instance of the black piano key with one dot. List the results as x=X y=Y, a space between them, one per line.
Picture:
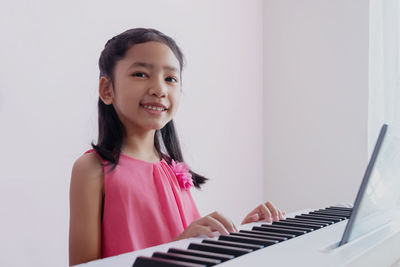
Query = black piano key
x=187 y=258
x=337 y=210
x=270 y=237
x=327 y=216
x=198 y=253
x=159 y=262
x=267 y=233
x=341 y=216
x=323 y=223
x=330 y=213
x=333 y=213
x=307 y=229
x=331 y=210
x=232 y=244
x=279 y=230
x=341 y=211
x=315 y=217
x=340 y=208
x=288 y=223
x=250 y=240
x=219 y=249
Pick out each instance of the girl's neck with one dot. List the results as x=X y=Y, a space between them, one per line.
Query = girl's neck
x=141 y=146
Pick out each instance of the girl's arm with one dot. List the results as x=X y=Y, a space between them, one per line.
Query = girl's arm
x=86 y=192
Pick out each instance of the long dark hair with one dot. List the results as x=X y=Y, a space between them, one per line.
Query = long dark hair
x=111 y=129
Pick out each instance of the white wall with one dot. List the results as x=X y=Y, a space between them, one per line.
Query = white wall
x=48 y=93
x=315 y=100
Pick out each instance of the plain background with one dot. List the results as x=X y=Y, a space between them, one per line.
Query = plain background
x=274 y=105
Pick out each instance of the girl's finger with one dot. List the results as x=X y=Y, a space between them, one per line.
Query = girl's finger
x=280 y=214
x=265 y=212
x=204 y=230
x=251 y=218
x=255 y=217
x=230 y=226
x=273 y=210
x=214 y=224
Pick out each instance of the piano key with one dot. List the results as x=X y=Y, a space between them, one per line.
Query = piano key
x=315 y=217
x=324 y=223
x=219 y=249
x=331 y=212
x=232 y=244
x=335 y=211
x=187 y=258
x=343 y=216
x=319 y=217
x=250 y=240
x=339 y=208
x=327 y=221
x=159 y=262
x=218 y=256
x=267 y=233
x=302 y=220
x=307 y=229
x=327 y=216
x=279 y=230
x=270 y=237
x=283 y=223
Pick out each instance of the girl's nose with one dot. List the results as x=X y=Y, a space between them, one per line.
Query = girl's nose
x=158 y=88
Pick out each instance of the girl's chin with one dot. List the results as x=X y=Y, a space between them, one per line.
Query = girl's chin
x=157 y=126
x=147 y=126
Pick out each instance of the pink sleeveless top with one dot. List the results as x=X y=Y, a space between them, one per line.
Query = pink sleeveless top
x=144 y=206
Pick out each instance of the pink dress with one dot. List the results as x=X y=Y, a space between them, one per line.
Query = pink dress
x=143 y=206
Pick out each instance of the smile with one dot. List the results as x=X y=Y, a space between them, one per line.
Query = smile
x=153 y=108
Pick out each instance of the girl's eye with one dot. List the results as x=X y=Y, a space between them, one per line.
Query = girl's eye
x=139 y=74
x=171 y=79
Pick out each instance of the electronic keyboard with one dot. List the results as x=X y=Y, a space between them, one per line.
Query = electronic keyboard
x=305 y=238
x=212 y=252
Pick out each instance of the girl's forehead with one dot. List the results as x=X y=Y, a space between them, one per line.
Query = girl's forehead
x=154 y=53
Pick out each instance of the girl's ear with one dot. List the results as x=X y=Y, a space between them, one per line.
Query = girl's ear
x=106 y=91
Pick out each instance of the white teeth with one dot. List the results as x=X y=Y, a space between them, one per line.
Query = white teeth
x=153 y=108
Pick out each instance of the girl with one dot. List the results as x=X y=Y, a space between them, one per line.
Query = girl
x=131 y=191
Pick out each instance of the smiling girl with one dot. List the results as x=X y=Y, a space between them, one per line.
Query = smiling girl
x=132 y=190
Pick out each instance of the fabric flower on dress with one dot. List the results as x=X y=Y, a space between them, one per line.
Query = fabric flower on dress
x=181 y=171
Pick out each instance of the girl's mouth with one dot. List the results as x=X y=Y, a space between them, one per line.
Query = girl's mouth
x=155 y=108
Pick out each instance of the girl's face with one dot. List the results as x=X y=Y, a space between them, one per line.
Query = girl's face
x=147 y=87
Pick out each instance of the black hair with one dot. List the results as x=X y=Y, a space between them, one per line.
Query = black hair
x=111 y=129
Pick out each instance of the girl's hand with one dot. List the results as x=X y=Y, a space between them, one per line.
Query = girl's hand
x=266 y=211
x=207 y=225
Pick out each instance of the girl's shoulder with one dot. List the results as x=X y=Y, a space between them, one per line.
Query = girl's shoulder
x=88 y=170
x=89 y=161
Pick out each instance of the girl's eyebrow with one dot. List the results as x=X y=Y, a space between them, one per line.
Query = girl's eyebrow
x=151 y=66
